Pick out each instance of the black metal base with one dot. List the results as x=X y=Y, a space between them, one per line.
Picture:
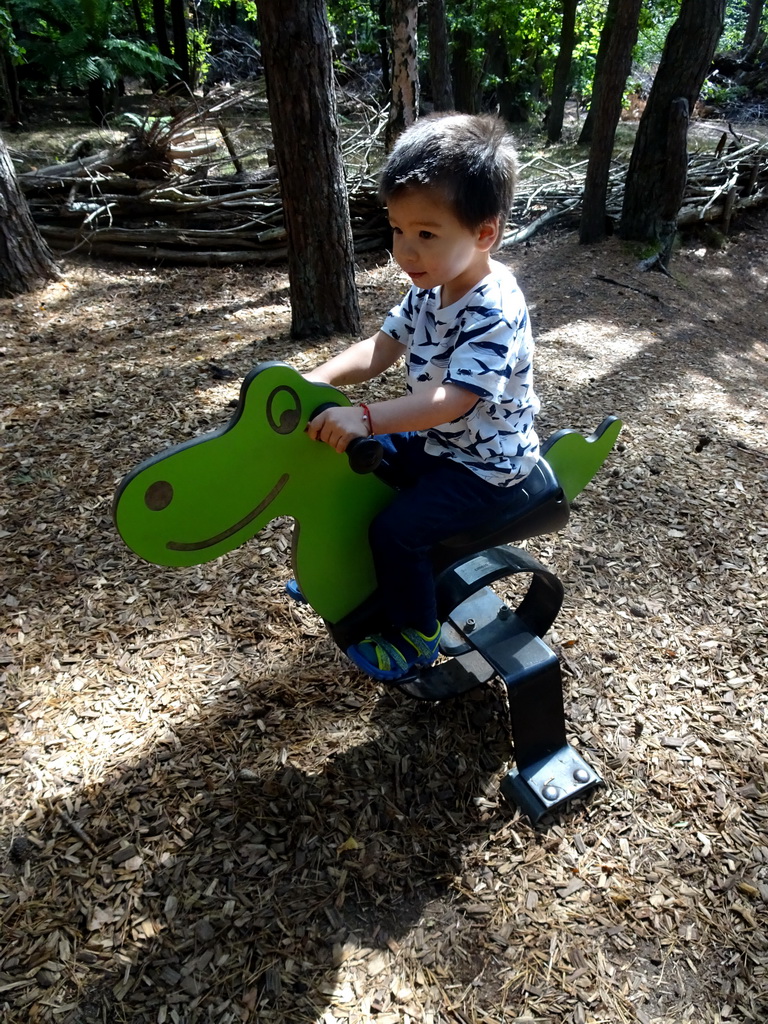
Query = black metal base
x=545 y=786
x=485 y=638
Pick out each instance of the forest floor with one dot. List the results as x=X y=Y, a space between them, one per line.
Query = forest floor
x=206 y=814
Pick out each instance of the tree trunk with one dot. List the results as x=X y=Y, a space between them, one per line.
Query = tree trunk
x=607 y=97
x=9 y=86
x=404 y=93
x=138 y=17
x=510 y=96
x=381 y=10
x=439 y=64
x=686 y=59
x=296 y=47
x=466 y=75
x=101 y=100
x=562 y=71
x=161 y=29
x=25 y=259
x=675 y=176
x=754 y=17
x=585 y=138
x=180 y=43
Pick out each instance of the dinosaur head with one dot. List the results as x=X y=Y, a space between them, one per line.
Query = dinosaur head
x=200 y=499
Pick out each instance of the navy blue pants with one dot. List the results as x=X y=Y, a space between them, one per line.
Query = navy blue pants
x=436 y=499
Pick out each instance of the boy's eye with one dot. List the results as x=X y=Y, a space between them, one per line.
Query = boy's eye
x=396 y=231
x=426 y=234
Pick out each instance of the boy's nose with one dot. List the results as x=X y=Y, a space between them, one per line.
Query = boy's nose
x=404 y=251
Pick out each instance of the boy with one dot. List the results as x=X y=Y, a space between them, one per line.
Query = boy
x=462 y=437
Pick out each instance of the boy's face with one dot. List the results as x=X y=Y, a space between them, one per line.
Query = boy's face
x=434 y=248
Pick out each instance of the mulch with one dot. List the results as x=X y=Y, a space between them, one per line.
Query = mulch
x=209 y=815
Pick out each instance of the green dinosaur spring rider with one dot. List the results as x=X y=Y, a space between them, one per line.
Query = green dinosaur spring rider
x=201 y=499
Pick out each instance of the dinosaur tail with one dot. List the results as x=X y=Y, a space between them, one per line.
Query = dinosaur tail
x=575 y=459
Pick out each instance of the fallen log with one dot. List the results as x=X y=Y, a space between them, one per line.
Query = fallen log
x=713 y=212
x=102 y=164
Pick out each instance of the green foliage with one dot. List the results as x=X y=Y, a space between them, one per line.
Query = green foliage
x=530 y=35
x=248 y=7
x=655 y=22
x=736 y=13
x=140 y=123
x=207 y=12
x=76 y=42
x=8 y=42
x=724 y=95
x=356 y=23
x=657 y=18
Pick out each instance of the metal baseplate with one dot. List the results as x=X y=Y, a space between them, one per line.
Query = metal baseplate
x=544 y=786
x=484 y=638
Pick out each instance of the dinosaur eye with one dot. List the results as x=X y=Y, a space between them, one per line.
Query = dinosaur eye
x=158 y=495
x=283 y=410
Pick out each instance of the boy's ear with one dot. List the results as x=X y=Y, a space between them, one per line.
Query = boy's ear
x=487 y=234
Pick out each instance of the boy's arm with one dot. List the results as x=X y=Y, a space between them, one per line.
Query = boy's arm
x=428 y=407
x=359 y=362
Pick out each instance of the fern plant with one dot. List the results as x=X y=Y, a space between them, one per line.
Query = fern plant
x=77 y=44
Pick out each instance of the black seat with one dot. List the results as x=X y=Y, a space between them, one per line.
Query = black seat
x=542 y=508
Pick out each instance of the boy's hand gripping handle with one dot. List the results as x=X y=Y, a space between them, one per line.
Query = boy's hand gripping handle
x=364 y=453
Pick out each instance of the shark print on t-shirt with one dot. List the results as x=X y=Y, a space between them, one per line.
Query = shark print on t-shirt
x=482 y=343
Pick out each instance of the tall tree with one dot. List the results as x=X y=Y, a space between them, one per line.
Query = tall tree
x=381 y=10
x=754 y=17
x=467 y=71
x=161 y=29
x=138 y=17
x=439 y=62
x=404 y=78
x=10 y=97
x=296 y=48
x=585 y=138
x=656 y=176
x=180 y=40
x=607 y=95
x=25 y=259
x=562 y=71
x=10 y=53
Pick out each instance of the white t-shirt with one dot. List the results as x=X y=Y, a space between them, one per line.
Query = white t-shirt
x=482 y=343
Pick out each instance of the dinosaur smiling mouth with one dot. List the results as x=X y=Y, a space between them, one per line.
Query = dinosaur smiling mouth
x=198 y=545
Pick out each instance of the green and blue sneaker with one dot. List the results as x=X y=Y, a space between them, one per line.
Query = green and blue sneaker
x=293 y=591
x=383 y=659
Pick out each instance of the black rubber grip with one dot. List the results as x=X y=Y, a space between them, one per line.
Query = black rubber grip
x=364 y=453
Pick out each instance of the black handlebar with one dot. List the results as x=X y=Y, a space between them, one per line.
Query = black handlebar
x=364 y=453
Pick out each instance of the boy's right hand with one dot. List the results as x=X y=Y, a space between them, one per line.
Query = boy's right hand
x=338 y=426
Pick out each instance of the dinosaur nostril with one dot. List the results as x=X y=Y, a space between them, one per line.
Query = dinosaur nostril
x=159 y=495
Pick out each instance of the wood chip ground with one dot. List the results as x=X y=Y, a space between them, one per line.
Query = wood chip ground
x=208 y=815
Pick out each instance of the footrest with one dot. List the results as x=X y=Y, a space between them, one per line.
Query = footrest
x=448 y=679
x=545 y=785
x=539 y=606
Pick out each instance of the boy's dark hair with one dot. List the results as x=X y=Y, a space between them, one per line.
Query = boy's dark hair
x=470 y=158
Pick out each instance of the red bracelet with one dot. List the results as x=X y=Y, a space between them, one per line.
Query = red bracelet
x=367 y=418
